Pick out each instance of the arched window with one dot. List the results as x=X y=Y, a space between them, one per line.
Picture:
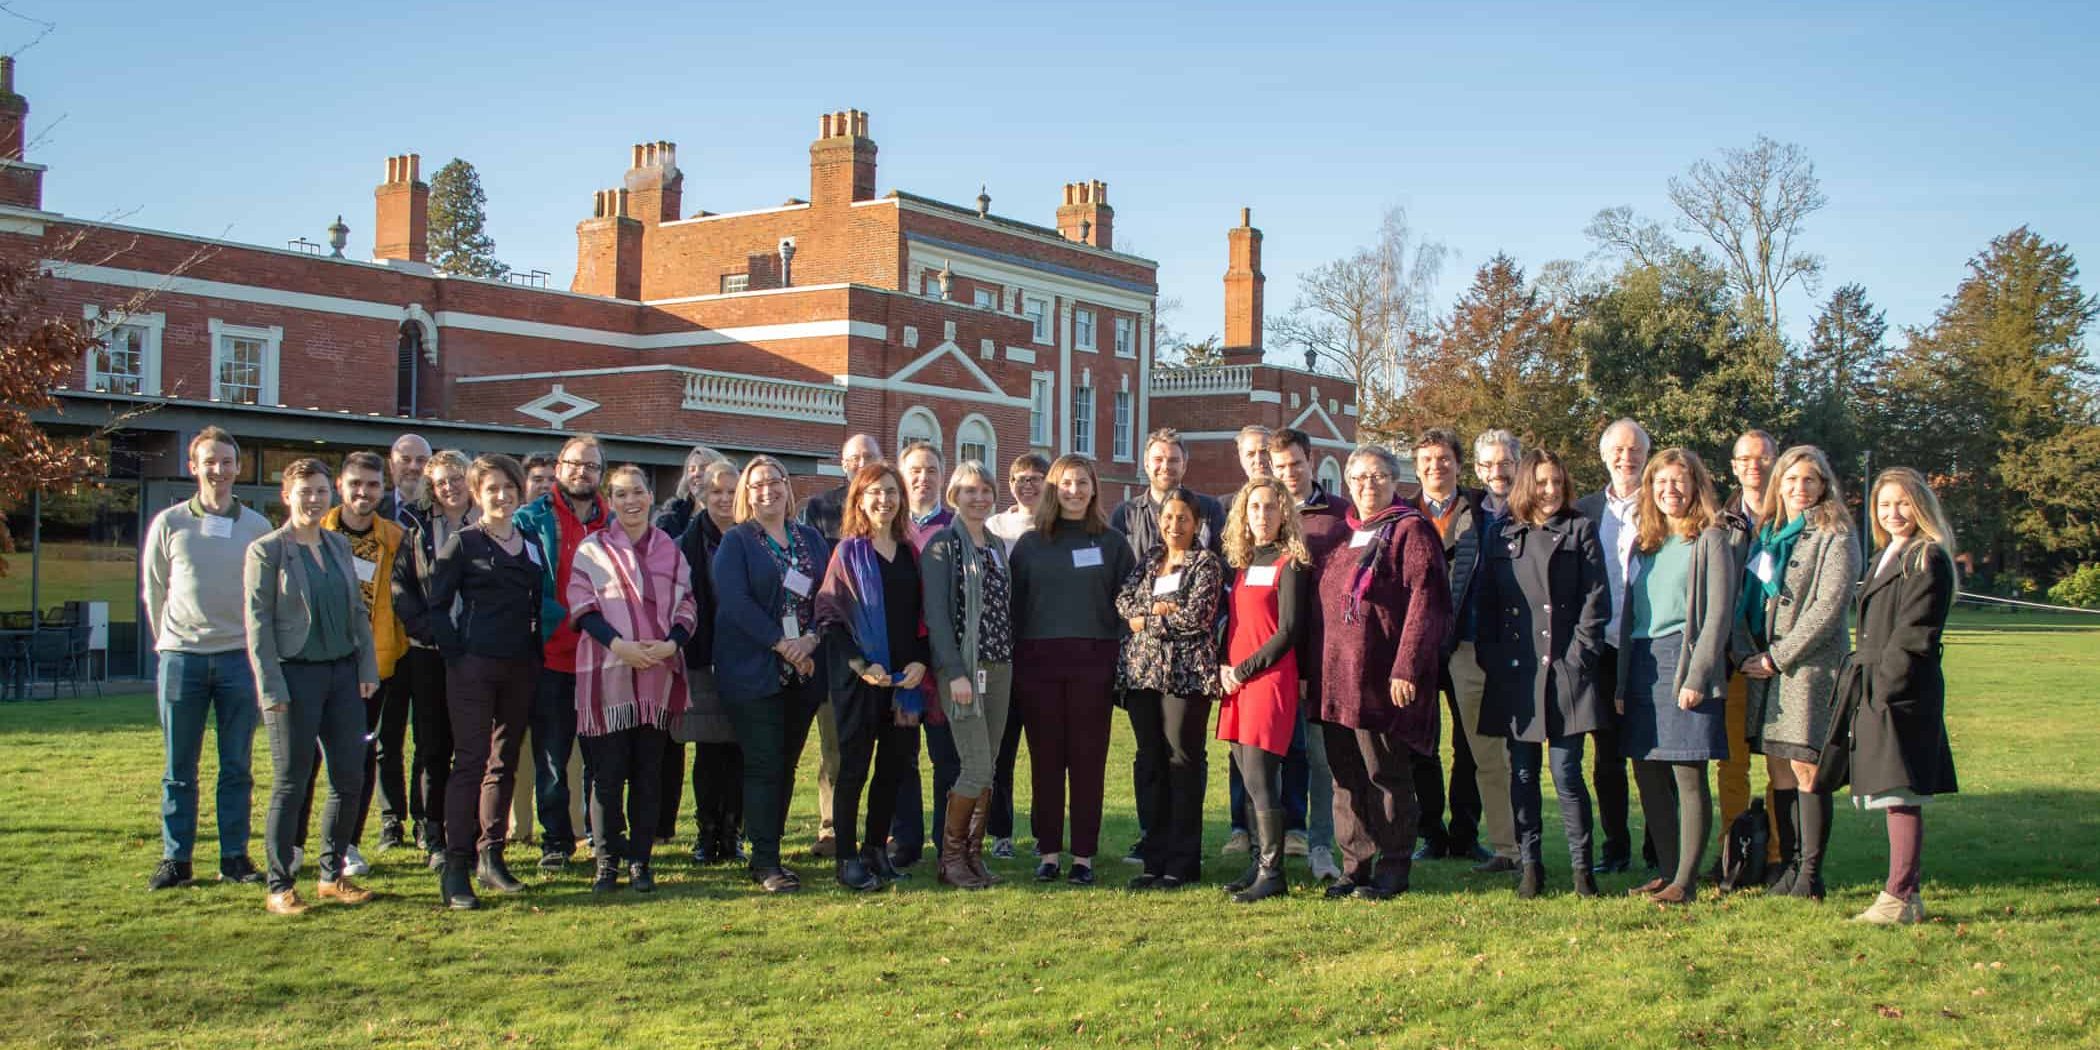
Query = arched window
x=917 y=424
x=974 y=440
x=1331 y=476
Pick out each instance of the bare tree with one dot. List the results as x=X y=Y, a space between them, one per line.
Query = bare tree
x=1752 y=206
x=1354 y=315
x=1619 y=231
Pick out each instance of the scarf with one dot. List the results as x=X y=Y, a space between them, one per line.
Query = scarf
x=864 y=614
x=969 y=560
x=644 y=590
x=1777 y=545
x=1367 y=557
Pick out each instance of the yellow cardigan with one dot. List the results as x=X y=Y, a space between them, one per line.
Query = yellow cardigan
x=389 y=640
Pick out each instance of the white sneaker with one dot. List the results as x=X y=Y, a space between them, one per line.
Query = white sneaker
x=354 y=864
x=1238 y=842
x=298 y=858
x=1321 y=860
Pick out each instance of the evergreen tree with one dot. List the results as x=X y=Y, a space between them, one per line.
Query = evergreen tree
x=459 y=240
x=1835 y=380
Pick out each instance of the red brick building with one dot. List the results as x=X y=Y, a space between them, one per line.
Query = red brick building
x=781 y=329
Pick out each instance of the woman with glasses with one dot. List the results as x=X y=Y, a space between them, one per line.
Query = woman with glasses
x=718 y=763
x=766 y=573
x=1385 y=609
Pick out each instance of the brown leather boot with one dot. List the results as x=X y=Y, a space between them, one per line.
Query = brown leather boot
x=974 y=844
x=954 y=866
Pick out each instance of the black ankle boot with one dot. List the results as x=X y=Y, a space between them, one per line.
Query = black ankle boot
x=853 y=874
x=608 y=874
x=1531 y=881
x=457 y=884
x=640 y=877
x=494 y=875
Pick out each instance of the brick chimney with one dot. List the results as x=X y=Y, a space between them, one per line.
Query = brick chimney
x=1243 y=285
x=655 y=186
x=401 y=223
x=21 y=183
x=609 y=248
x=1085 y=215
x=842 y=160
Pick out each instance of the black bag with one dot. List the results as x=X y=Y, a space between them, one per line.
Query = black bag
x=1743 y=851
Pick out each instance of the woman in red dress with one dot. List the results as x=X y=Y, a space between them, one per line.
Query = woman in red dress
x=1271 y=601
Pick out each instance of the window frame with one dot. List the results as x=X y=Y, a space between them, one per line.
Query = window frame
x=1125 y=329
x=272 y=340
x=1042 y=408
x=151 y=326
x=1043 y=334
x=1083 y=418
x=1125 y=439
x=1085 y=329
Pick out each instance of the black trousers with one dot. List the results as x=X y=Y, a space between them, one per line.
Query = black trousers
x=626 y=769
x=390 y=731
x=671 y=789
x=718 y=790
x=1374 y=803
x=491 y=702
x=1170 y=734
x=868 y=732
x=771 y=730
x=1000 y=822
x=420 y=678
x=1608 y=770
x=1463 y=832
x=1524 y=800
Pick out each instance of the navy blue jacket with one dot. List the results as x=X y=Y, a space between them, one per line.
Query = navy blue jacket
x=750 y=596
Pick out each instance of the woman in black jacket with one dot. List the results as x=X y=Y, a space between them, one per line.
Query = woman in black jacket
x=1893 y=696
x=718 y=763
x=1543 y=606
x=491 y=646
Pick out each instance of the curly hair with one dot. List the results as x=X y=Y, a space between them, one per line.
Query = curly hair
x=1239 y=536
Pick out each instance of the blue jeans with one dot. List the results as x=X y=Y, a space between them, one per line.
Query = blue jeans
x=1308 y=788
x=193 y=687
x=908 y=827
x=553 y=737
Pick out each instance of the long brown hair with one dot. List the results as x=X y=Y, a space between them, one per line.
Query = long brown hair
x=1654 y=525
x=856 y=521
x=1239 y=536
x=1049 y=508
x=1524 y=489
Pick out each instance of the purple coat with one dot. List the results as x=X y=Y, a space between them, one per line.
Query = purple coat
x=1401 y=623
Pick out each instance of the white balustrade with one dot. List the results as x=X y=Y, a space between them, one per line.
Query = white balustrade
x=1202 y=381
x=746 y=395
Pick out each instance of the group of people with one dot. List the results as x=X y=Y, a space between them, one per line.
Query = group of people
x=553 y=606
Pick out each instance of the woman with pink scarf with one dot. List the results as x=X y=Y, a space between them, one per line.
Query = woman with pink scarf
x=630 y=596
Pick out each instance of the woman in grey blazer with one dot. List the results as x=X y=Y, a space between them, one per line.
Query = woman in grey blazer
x=310 y=643
x=1793 y=616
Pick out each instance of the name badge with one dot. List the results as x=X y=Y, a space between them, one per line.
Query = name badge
x=788 y=627
x=981 y=687
x=365 y=569
x=1168 y=584
x=1086 y=558
x=1363 y=537
x=218 y=527
x=1261 y=576
x=796 y=583
x=532 y=553
x=1763 y=567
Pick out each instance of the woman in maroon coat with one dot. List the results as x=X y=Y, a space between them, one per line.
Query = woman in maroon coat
x=1385 y=605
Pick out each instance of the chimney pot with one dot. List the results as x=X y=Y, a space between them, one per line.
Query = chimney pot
x=1246 y=216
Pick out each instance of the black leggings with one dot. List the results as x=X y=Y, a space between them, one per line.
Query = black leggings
x=1677 y=806
x=1170 y=737
x=1262 y=775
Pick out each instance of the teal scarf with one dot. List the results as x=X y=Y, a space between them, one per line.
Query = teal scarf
x=1772 y=548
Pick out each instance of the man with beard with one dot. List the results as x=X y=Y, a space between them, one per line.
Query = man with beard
x=406 y=460
x=560 y=519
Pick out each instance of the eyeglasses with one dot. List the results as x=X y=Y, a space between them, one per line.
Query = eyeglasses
x=585 y=467
x=1369 y=479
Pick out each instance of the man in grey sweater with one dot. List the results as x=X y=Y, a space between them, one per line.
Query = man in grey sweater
x=191 y=563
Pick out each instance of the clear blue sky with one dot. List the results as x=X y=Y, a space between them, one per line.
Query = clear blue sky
x=1500 y=127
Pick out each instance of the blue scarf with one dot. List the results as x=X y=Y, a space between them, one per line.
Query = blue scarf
x=871 y=631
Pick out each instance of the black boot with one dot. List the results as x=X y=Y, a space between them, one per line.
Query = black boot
x=608 y=875
x=704 y=848
x=1815 y=838
x=640 y=876
x=853 y=874
x=1786 y=811
x=878 y=861
x=730 y=846
x=1268 y=859
x=458 y=882
x=494 y=875
x=1532 y=879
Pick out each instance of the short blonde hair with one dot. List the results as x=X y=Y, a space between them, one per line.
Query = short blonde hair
x=967 y=472
x=743 y=486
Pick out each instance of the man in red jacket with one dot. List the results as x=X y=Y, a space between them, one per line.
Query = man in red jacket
x=560 y=519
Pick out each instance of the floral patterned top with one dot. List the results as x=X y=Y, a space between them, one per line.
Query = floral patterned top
x=995 y=630
x=1176 y=653
x=799 y=557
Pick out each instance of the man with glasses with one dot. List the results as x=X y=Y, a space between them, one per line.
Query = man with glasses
x=1751 y=464
x=824 y=512
x=191 y=557
x=561 y=519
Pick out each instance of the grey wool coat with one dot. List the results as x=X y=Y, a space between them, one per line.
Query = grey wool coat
x=1709 y=616
x=1808 y=634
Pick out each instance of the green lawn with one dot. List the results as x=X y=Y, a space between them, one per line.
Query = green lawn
x=91 y=959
